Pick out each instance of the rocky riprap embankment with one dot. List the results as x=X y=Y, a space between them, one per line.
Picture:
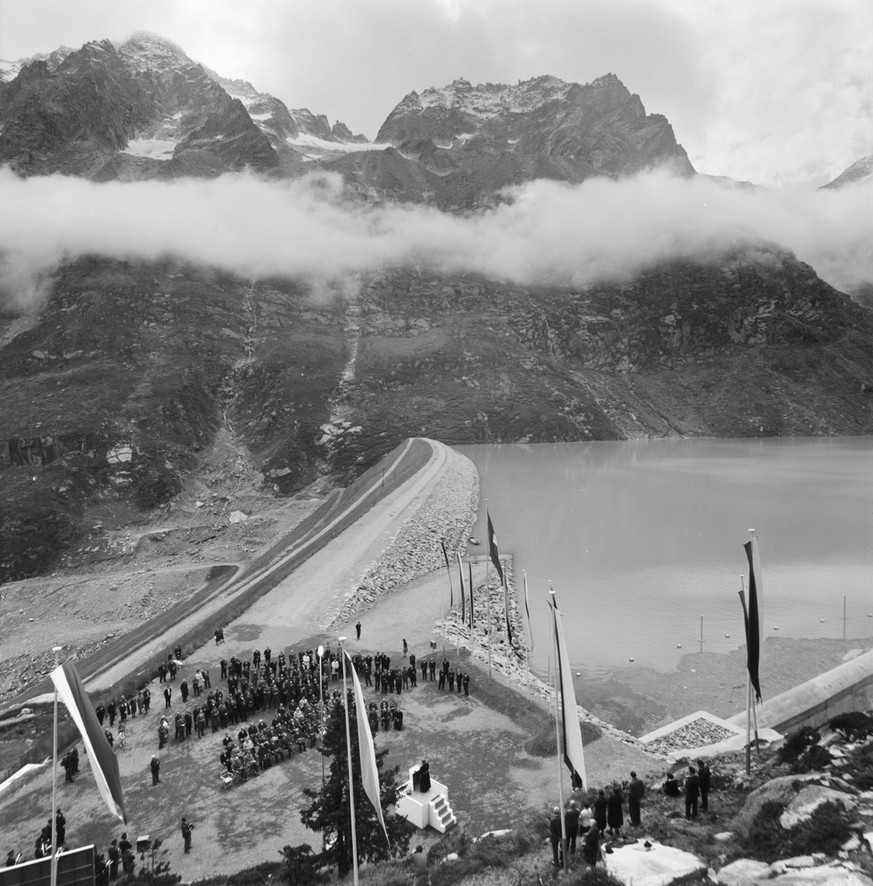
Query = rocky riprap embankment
x=509 y=660
x=698 y=733
x=447 y=514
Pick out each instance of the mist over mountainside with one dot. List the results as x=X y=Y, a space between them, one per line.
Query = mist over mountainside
x=182 y=256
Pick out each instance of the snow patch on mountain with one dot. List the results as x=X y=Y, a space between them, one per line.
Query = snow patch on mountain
x=9 y=70
x=154 y=148
x=306 y=140
x=493 y=99
x=145 y=51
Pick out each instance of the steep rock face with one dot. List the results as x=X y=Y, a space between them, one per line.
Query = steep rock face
x=143 y=109
x=89 y=99
x=541 y=128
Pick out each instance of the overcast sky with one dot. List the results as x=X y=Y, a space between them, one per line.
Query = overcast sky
x=779 y=92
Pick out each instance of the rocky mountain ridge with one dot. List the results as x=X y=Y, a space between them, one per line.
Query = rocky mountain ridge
x=143 y=109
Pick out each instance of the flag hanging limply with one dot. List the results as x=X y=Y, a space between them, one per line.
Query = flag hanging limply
x=506 y=611
x=754 y=623
x=449 y=571
x=463 y=592
x=527 y=611
x=472 y=618
x=369 y=770
x=574 y=753
x=493 y=551
x=104 y=763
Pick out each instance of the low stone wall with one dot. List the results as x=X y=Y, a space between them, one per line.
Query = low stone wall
x=847 y=687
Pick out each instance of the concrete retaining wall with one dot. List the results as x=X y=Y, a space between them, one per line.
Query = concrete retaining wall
x=847 y=687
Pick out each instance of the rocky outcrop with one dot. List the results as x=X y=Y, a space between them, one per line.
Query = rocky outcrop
x=471 y=141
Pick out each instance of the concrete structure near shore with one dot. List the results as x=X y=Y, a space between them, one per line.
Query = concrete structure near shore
x=847 y=687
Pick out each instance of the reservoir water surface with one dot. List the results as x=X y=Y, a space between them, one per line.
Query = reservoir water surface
x=640 y=539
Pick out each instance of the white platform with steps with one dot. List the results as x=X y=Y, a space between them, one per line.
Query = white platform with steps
x=426 y=809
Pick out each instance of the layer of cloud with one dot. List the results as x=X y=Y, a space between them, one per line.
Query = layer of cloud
x=548 y=233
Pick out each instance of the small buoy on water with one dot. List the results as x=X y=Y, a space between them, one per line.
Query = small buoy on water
x=472 y=540
x=727 y=635
x=578 y=673
x=821 y=621
x=630 y=659
x=775 y=627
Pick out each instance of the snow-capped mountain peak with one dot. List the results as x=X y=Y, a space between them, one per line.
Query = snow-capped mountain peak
x=146 y=51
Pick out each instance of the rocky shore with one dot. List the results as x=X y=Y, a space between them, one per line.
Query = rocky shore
x=447 y=513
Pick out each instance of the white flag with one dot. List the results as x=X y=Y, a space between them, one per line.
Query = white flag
x=369 y=771
x=574 y=753
x=104 y=763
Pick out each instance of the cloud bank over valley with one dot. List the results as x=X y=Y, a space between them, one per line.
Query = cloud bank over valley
x=543 y=233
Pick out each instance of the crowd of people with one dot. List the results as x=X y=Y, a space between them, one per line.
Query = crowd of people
x=298 y=688
x=600 y=816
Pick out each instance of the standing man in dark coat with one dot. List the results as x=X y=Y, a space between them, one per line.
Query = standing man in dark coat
x=592 y=846
x=155 y=766
x=571 y=819
x=614 y=814
x=600 y=812
x=635 y=793
x=168 y=694
x=555 y=835
x=703 y=776
x=692 y=792
x=431 y=666
x=358 y=630
x=186 y=833
x=114 y=854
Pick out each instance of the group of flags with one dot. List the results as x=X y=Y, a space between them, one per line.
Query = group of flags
x=104 y=764
x=467 y=608
x=573 y=751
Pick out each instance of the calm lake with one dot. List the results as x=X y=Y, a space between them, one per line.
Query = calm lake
x=639 y=539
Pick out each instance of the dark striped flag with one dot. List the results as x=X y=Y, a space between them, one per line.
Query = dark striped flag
x=506 y=612
x=449 y=570
x=571 y=730
x=527 y=612
x=470 y=569
x=754 y=623
x=462 y=591
x=104 y=764
x=493 y=551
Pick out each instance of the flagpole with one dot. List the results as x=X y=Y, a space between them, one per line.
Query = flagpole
x=351 y=783
x=54 y=864
x=759 y=602
x=488 y=596
x=748 y=684
x=451 y=590
x=529 y=634
x=558 y=745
